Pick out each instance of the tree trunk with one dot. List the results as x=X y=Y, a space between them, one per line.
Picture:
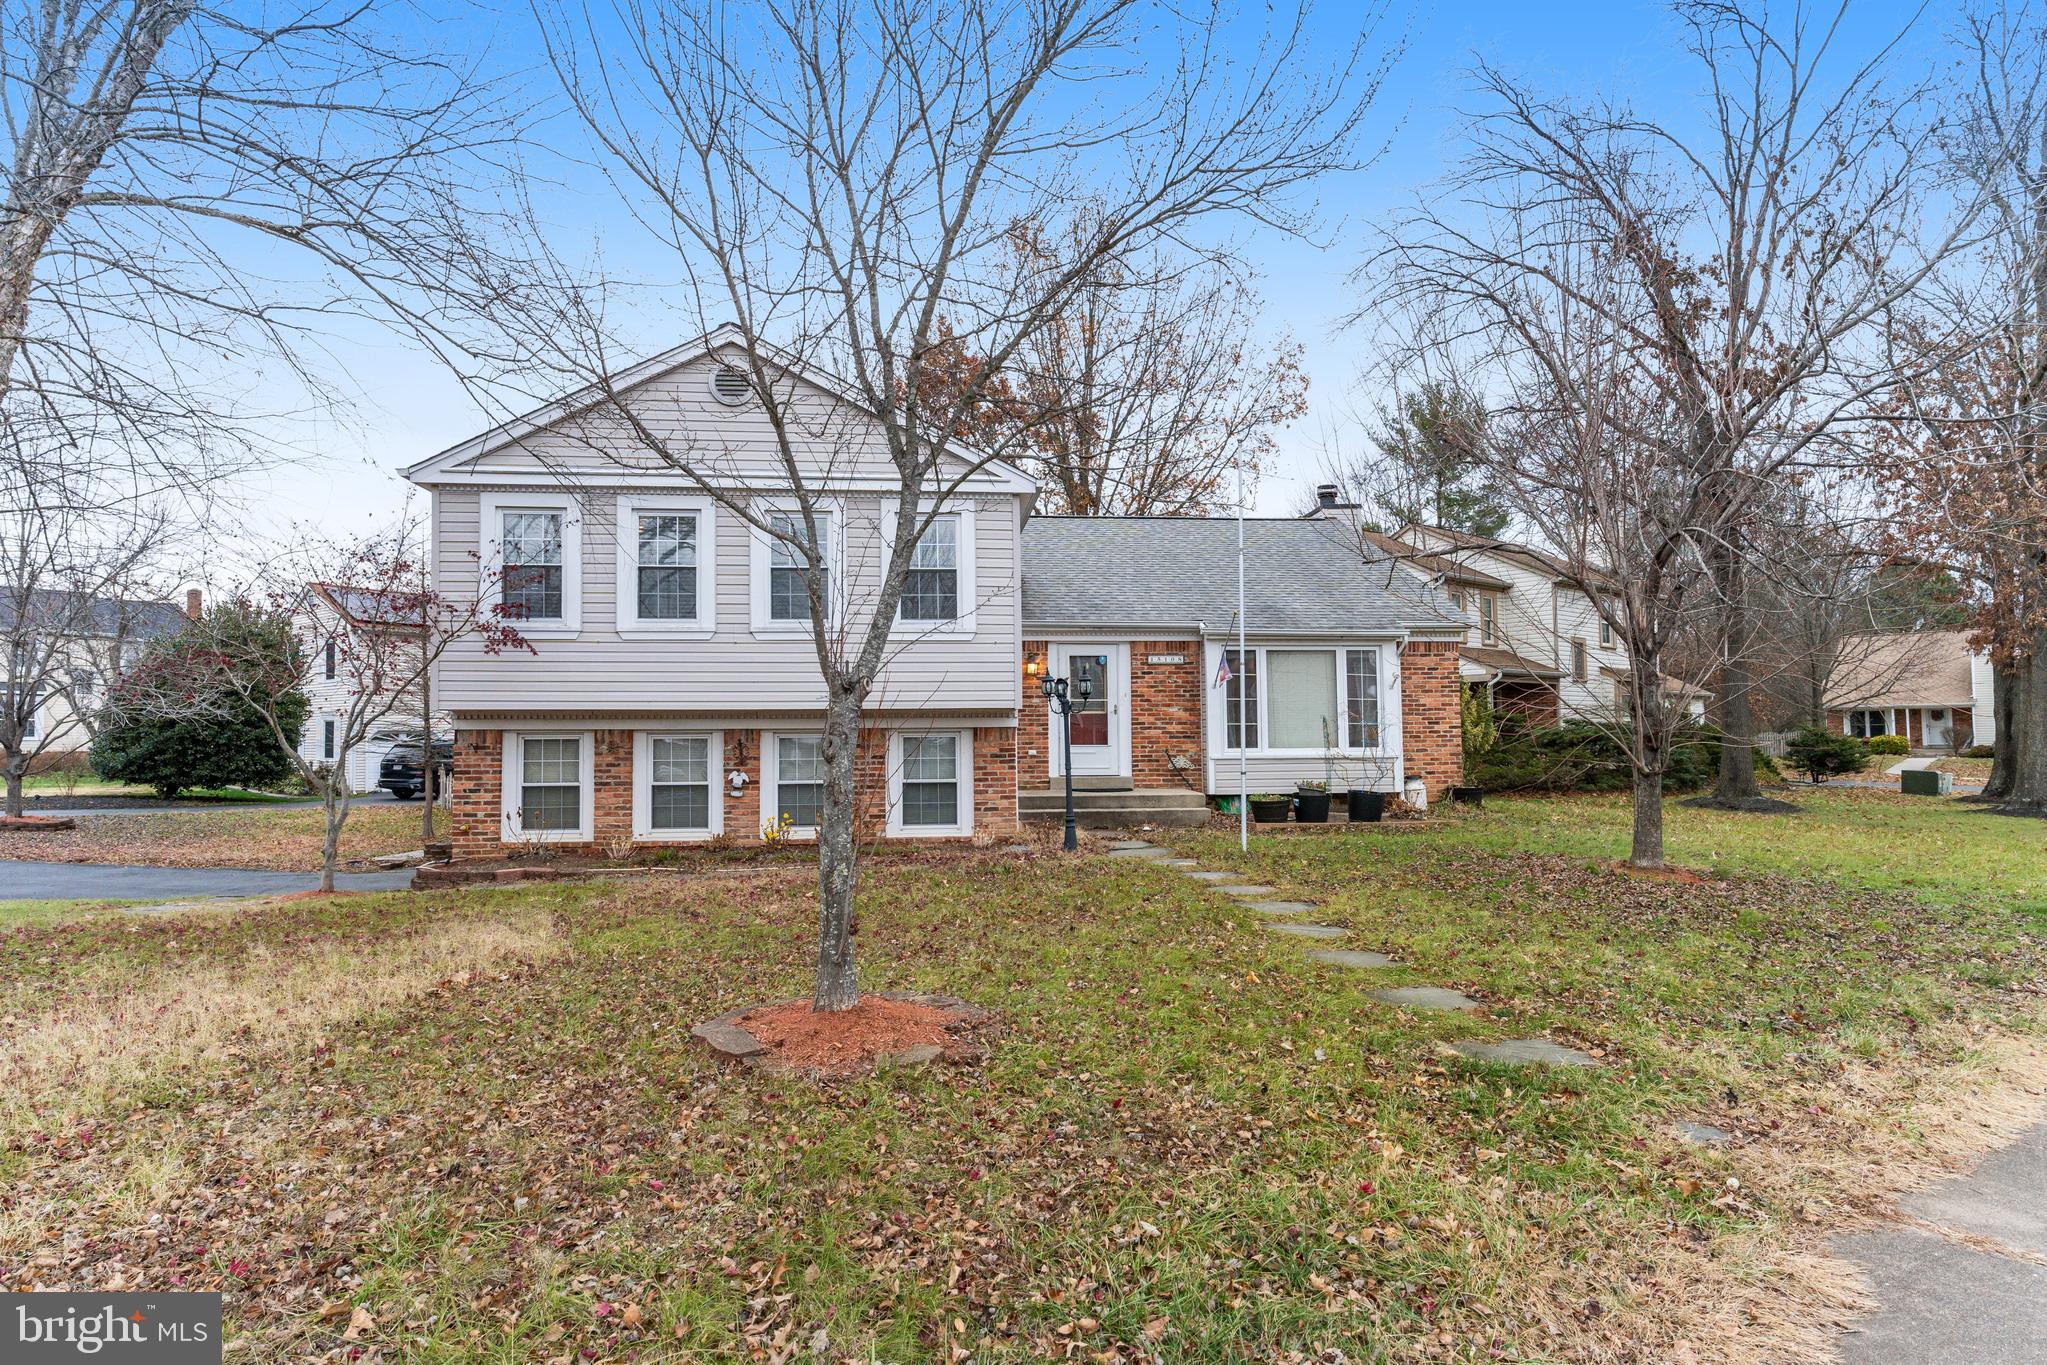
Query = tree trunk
x=334 y=805
x=837 y=987
x=426 y=755
x=1736 y=782
x=1646 y=848
x=2004 y=695
x=14 y=797
x=2028 y=794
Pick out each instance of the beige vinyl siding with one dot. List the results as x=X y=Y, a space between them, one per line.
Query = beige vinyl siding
x=734 y=671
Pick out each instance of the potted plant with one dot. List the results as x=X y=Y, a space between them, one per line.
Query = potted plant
x=1270 y=808
x=1366 y=805
x=1311 y=803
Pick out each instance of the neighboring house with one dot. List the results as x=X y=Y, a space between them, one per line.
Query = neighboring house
x=1927 y=685
x=98 y=641
x=673 y=693
x=328 y=614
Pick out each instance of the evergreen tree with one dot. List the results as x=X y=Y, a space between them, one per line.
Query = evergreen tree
x=1431 y=472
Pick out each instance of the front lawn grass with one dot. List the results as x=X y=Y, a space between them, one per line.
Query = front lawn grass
x=58 y=784
x=287 y=840
x=1191 y=1143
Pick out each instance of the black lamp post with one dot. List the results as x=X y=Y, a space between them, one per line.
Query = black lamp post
x=1058 y=697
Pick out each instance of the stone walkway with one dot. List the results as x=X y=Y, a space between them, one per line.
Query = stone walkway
x=1256 y=898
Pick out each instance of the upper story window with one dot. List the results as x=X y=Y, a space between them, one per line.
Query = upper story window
x=534 y=568
x=931 y=592
x=1578 y=666
x=327 y=740
x=667 y=557
x=789 y=564
x=1488 y=617
x=1606 y=635
x=331 y=664
x=533 y=547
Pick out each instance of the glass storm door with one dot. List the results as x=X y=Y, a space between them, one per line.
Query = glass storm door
x=1097 y=739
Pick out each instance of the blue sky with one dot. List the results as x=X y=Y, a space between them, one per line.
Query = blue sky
x=408 y=408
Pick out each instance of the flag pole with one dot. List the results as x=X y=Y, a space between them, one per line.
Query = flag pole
x=1243 y=694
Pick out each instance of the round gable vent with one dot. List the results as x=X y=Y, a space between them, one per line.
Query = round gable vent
x=730 y=387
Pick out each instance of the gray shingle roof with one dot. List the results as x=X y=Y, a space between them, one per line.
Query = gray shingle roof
x=1301 y=577
x=104 y=616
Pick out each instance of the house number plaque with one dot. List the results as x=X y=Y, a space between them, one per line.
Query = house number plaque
x=1165 y=658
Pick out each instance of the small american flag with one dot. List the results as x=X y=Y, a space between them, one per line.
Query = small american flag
x=1223 y=674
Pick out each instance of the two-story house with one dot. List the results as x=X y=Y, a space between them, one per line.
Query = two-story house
x=64 y=651
x=330 y=616
x=672 y=691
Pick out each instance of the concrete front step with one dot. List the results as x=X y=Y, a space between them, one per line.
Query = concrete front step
x=1116 y=809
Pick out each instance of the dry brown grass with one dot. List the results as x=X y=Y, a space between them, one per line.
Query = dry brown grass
x=113 y=1031
x=283 y=840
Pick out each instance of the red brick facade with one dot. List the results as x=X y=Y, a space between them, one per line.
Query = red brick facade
x=1432 y=714
x=1165 y=718
x=479 y=778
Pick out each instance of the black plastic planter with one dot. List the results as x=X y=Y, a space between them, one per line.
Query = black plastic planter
x=1271 y=812
x=1311 y=807
x=1367 y=806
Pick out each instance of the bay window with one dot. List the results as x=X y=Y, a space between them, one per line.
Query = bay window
x=1300 y=699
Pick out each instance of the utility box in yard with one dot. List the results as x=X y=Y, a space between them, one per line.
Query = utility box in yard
x=1926 y=782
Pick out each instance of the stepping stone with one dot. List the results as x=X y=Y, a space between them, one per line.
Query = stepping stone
x=1350 y=957
x=1705 y=1134
x=1147 y=853
x=1424 y=998
x=1280 y=907
x=1308 y=930
x=1176 y=862
x=1213 y=876
x=1525 y=1052
x=1128 y=844
x=1246 y=889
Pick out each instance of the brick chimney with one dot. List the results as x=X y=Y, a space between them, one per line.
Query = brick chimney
x=192 y=601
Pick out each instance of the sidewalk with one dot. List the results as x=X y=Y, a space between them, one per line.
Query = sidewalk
x=1963 y=1277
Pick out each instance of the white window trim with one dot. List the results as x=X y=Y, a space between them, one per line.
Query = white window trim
x=643 y=787
x=761 y=560
x=771 y=779
x=963 y=625
x=630 y=506
x=1388 y=745
x=492 y=531
x=964 y=824
x=509 y=784
x=330 y=739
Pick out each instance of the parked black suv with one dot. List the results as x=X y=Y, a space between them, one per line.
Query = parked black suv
x=399 y=773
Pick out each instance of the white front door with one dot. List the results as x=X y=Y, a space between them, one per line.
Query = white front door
x=1101 y=725
x=1939 y=731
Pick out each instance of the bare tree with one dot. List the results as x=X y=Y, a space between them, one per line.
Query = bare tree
x=76 y=599
x=389 y=628
x=189 y=191
x=1148 y=394
x=844 y=182
x=1761 y=257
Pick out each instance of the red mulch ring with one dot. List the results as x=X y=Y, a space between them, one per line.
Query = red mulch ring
x=1683 y=876
x=896 y=1029
x=42 y=823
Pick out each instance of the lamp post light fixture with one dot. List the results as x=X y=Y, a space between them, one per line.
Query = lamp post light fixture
x=1065 y=700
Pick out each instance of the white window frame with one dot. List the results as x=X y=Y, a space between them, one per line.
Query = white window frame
x=494 y=507
x=762 y=560
x=509 y=785
x=1883 y=714
x=969 y=603
x=1605 y=633
x=705 y=510
x=330 y=739
x=643 y=787
x=1488 y=618
x=1388 y=699
x=771 y=778
x=963 y=824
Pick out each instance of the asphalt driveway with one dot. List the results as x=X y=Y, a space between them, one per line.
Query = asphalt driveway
x=109 y=881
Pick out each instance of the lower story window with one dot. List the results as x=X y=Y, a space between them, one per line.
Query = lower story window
x=1867 y=724
x=550 y=784
x=929 y=798
x=327 y=740
x=678 y=784
x=799 y=780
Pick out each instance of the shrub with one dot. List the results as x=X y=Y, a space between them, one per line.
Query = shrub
x=1820 y=754
x=1979 y=751
x=1578 y=756
x=1895 y=745
x=172 y=753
